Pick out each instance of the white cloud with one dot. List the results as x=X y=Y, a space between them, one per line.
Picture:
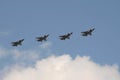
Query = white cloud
x=25 y=54
x=2 y=52
x=46 y=45
x=18 y=55
x=54 y=67
x=4 y=33
x=64 y=68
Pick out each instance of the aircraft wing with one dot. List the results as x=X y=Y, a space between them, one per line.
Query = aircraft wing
x=37 y=37
x=62 y=36
x=14 y=43
x=21 y=40
x=85 y=33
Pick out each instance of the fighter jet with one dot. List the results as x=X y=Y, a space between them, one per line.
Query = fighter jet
x=66 y=36
x=89 y=32
x=16 y=43
x=42 y=38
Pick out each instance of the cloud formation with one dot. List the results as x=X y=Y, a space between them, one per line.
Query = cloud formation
x=4 y=33
x=46 y=45
x=64 y=68
x=2 y=52
x=17 y=54
x=26 y=54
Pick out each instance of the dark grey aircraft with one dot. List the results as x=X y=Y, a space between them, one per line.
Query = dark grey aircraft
x=89 y=32
x=66 y=36
x=16 y=43
x=42 y=38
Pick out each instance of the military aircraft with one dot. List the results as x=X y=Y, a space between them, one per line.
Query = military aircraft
x=16 y=43
x=42 y=38
x=66 y=36
x=89 y=32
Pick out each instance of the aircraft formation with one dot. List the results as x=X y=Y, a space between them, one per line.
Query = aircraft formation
x=62 y=37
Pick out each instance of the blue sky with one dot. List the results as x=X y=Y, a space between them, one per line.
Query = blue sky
x=32 y=18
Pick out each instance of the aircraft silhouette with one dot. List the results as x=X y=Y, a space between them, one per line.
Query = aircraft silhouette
x=16 y=43
x=42 y=38
x=66 y=36
x=89 y=32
